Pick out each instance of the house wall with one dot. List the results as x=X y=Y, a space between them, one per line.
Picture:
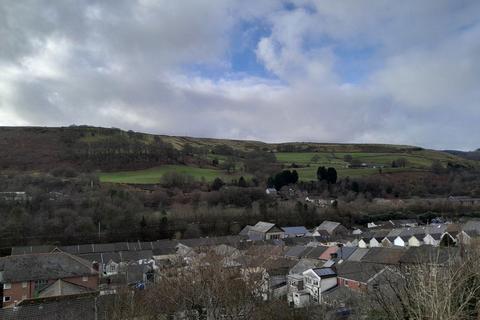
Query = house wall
x=428 y=240
x=413 y=242
x=374 y=243
x=274 y=235
x=351 y=284
x=362 y=244
x=386 y=243
x=399 y=242
x=26 y=290
x=328 y=283
x=464 y=238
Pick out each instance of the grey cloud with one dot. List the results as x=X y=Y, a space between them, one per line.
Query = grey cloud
x=122 y=63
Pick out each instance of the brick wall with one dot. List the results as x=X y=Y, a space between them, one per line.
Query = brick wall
x=352 y=284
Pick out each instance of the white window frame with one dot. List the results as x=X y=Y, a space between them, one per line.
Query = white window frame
x=7 y=286
x=84 y=279
x=25 y=284
x=6 y=299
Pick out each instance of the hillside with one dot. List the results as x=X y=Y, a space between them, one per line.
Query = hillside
x=133 y=157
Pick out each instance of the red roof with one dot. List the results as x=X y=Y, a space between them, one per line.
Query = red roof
x=326 y=255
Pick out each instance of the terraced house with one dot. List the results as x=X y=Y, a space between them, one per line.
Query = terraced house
x=31 y=276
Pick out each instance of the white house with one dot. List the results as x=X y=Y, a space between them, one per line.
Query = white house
x=400 y=241
x=362 y=243
x=374 y=242
x=433 y=239
x=413 y=241
x=271 y=191
x=111 y=268
x=318 y=280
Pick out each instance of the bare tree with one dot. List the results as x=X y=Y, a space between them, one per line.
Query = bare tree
x=437 y=289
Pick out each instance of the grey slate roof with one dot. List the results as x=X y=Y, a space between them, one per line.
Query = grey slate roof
x=62 y=288
x=304 y=265
x=263 y=227
x=328 y=226
x=358 y=254
x=44 y=266
x=430 y=255
x=314 y=252
x=81 y=307
x=245 y=230
x=344 y=253
x=295 y=252
x=32 y=249
x=325 y=272
x=294 y=231
x=358 y=271
x=472 y=225
x=384 y=255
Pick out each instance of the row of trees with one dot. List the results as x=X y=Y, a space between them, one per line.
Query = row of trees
x=329 y=175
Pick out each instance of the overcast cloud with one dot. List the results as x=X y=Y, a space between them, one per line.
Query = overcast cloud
x=404 y=72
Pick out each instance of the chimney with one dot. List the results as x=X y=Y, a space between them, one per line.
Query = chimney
x=95 y=266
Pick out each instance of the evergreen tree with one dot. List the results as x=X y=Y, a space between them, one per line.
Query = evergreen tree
x=331 y=175
x=242 y=183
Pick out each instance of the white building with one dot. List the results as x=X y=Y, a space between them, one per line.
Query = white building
x=318 y=280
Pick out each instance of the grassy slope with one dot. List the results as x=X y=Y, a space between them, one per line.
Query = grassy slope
x=33 y=148
x=154 y=175
x=416 y=160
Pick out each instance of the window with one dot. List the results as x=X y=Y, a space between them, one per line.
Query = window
x=6 y=299
x=84 y=279
x=24 y=284
x=40 y=284
x=7 y=286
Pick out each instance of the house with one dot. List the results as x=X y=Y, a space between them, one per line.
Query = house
x=71 y=307
x=447 y=240
x=432 y=239
x=32 y=275
x=314 y=252
x=386 y=256
x=464 y=201
x=363 y=243
x=15 y=196
x=292 y=232
x=263 y=231
x=329 y=253
x=357 y=232
x=332 y=228
x=318 y=280
x=430 y=255
x=469 y=230
x=271 y=191
x=403 y=223
x=433 y=234
x=357 y=275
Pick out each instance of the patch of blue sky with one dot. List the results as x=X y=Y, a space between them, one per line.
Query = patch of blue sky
x=240 y=60
x=355 y=64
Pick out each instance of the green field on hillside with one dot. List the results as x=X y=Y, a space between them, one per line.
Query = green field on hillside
x=154 y=175
x=417 y=159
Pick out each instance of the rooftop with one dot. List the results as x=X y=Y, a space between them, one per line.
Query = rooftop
x=44 y=266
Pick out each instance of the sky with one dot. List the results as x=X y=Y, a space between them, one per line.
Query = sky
x=371 y=71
